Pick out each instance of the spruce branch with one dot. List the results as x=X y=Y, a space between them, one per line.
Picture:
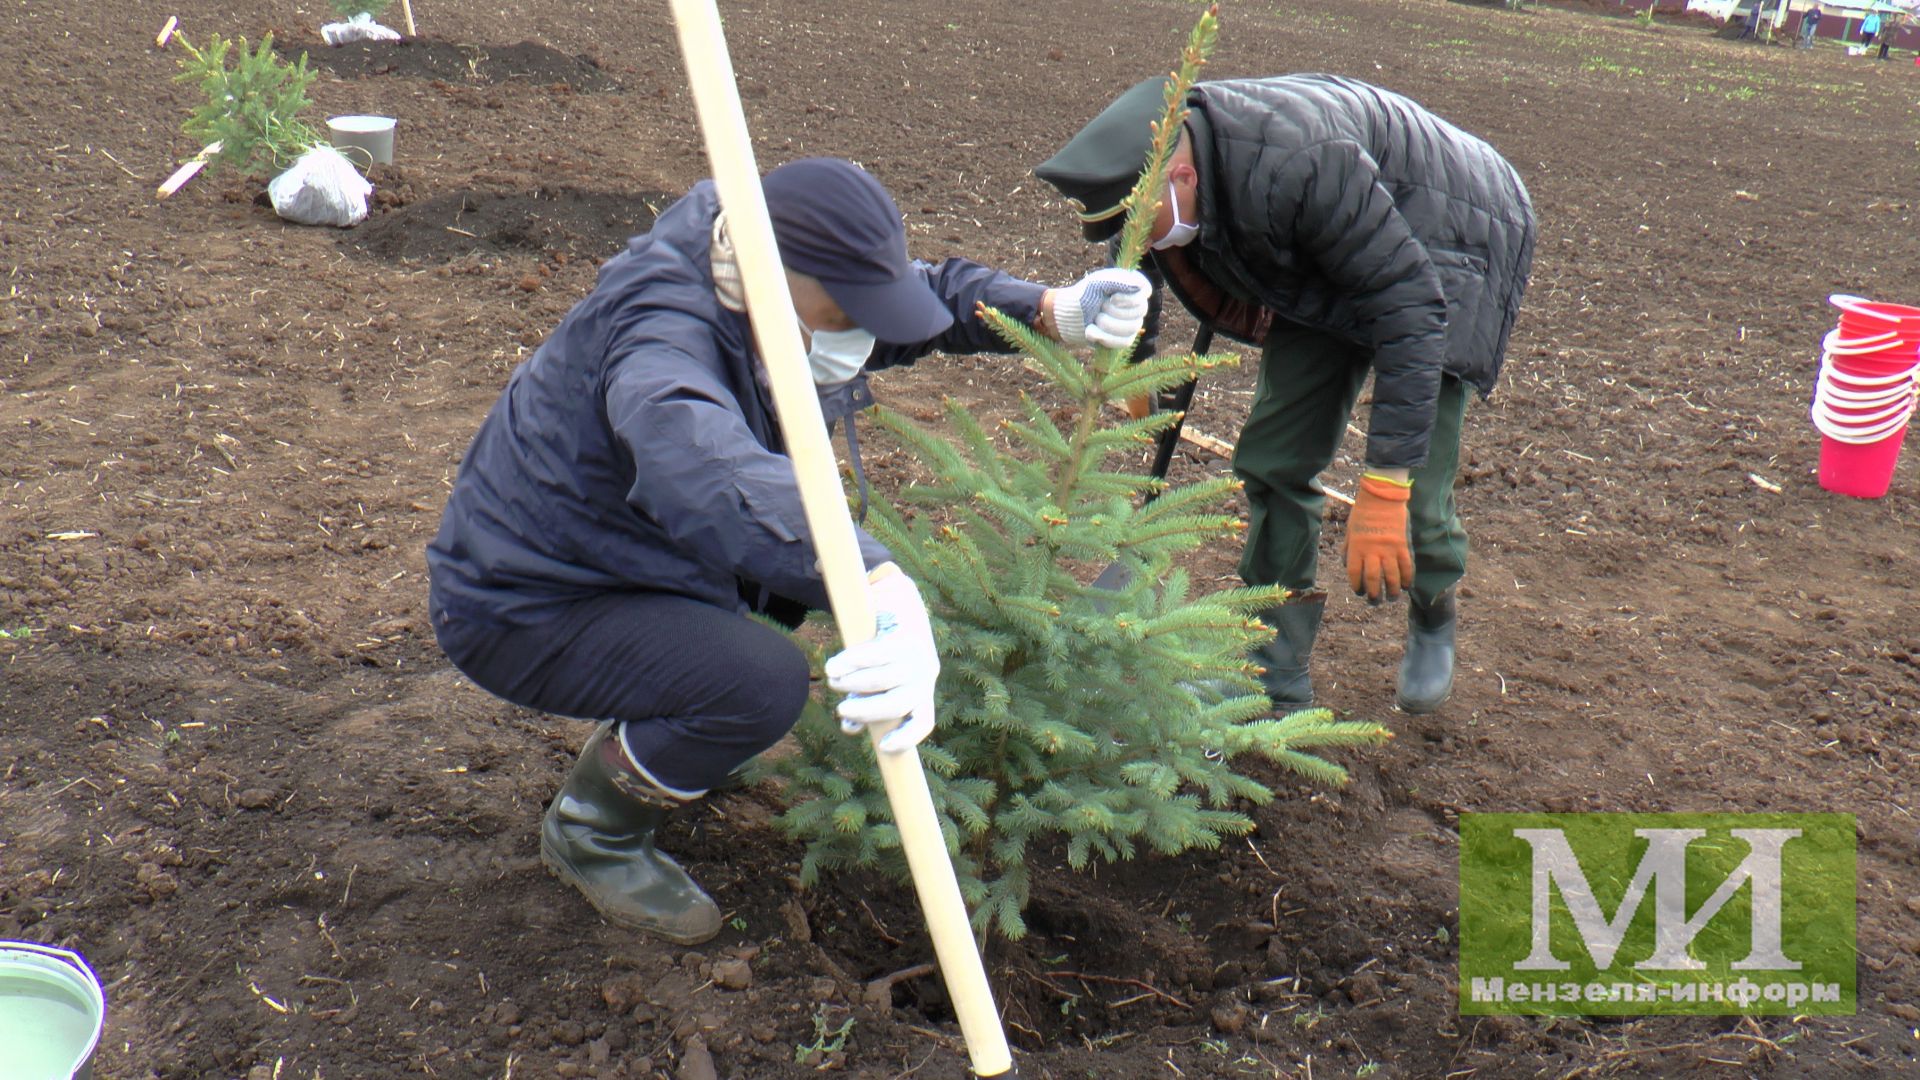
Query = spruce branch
x=1160 y=373
x=1056 y=363
x=1179 y=500
x=978 y=447
x=1144 y=200
x=947 y=463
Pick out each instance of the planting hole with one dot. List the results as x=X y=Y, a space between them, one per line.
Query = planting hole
x=582 y=224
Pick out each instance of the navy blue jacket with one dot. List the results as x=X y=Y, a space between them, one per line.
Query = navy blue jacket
x=637 y=450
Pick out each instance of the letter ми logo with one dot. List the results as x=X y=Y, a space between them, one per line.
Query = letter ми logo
x=1664 y=866
x=1634 y=914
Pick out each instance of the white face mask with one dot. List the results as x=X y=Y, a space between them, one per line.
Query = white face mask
x=1182 y=232
x=837 y=355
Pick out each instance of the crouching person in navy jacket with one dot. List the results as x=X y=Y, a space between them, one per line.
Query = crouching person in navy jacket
x=628 y=502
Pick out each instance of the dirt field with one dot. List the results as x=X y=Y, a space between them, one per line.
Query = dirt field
x=236 y=772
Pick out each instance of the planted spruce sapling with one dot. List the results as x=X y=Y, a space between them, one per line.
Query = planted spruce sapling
x=347 y=9
x=1111 y=721
x=250 y=119
x=253 y=103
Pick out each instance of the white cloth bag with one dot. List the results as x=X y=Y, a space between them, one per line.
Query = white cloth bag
x=321 y=188
x=359 y=28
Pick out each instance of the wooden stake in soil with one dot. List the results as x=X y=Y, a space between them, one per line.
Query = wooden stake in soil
x=406 y=8
x=166 y=32
x=187 y=172
x=716 y=97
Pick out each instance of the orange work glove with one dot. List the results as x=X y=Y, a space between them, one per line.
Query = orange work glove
x=1378 y=558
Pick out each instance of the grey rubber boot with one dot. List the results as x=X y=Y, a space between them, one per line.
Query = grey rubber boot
x=598 y=837
x=1296 y=624
x=1426 y=672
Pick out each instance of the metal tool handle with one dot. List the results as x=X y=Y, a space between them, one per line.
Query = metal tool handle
x=1181 y=400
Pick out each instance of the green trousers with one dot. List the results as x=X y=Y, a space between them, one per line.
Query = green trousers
x=1308 y=384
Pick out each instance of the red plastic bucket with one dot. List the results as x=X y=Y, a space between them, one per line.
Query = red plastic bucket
x=1830 y=393
x=1853 y=380
x=1862 y=470
x=1864 y=414
x=1868 y=369
x=1860 y=317
x=1846 y=406
x=1860 y=429
x=1873 y=365
x=1874 y=344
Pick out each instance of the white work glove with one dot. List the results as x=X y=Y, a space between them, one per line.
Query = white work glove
x=889 y=678
x=1105 y=308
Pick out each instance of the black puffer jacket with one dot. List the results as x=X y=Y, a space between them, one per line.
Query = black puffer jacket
x=1341 y=206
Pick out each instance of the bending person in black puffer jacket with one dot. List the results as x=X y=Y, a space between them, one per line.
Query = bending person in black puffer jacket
x=1347 y=232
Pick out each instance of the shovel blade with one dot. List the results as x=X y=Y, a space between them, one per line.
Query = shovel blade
x=1114 y=578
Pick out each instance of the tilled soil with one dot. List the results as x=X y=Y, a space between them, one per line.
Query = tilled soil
x=236 y=772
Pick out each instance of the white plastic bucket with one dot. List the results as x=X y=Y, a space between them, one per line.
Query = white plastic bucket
x=51 y=1013
x=363 y=139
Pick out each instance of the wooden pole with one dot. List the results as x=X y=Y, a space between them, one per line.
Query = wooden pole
x=723 y=124
x=187 y=172
x=406 y=8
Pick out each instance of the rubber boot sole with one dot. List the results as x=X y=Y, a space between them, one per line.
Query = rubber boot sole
x=1423 y=708
x=559 y=869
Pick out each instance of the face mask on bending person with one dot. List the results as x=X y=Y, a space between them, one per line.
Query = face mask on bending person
x=837 y=355
x=1180 y=174
x=1182 y=232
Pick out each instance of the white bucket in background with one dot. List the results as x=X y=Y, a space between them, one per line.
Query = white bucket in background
x=363 y=139
x=51 y=1013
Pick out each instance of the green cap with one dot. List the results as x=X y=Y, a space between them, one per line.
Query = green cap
x=1098 y=167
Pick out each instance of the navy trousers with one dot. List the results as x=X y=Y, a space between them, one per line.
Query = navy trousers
x=700 y=689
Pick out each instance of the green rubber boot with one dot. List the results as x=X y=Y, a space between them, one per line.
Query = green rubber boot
x=1426 y=672
x=598 y=837
x=1296 y=624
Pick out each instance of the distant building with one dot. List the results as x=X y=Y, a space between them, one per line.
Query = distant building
x=1773 y=11
x=1839 y=21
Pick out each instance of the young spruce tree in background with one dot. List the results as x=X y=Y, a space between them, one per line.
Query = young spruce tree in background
x=347 y=9
x=1066 y=713
x=252 y=107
